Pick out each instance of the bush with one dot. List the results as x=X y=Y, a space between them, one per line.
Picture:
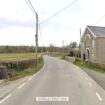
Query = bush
x=71 y=53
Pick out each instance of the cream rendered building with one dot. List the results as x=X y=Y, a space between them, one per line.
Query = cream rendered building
x=93 y=44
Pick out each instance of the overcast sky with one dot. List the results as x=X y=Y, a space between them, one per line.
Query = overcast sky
x=17 y=22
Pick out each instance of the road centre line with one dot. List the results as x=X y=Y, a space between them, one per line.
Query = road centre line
x=5 y=98
x=21 y=85
x=98 y=96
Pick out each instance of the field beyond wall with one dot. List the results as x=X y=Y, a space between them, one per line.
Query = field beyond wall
x=16 y=65
x=16 y=56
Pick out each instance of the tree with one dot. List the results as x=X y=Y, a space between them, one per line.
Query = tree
x=73 y=44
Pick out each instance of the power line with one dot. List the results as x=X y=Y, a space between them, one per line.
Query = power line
x=40 y=33
x=59 y=12
x=43 y=45
x=31 y=6
x=36 y=35
x=99 y=19
x=33 y=10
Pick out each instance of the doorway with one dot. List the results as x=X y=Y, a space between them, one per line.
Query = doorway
x=88 y=54
x=84 y=57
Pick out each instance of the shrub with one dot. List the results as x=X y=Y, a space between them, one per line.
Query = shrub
x=71 y=53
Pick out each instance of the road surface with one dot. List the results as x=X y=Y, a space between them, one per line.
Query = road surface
x=57 y=83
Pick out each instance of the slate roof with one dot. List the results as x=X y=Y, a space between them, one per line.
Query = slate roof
x=97 y=30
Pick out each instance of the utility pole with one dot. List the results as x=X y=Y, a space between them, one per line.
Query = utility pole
x=36 y=35
x=36 y=38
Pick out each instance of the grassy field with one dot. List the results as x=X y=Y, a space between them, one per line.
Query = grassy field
x=17 y=55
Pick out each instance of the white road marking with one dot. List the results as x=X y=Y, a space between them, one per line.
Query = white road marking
x=98 y=96
x=5 y=98
x=86 y=78
x=90 y=84
x=21 y=86
x=36 y=73
x=30 y=78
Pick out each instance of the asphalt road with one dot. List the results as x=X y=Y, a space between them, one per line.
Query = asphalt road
x=61 y=80
x=97 y=76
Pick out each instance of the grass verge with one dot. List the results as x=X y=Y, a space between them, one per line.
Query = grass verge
x=88 y=66
x=63 y=57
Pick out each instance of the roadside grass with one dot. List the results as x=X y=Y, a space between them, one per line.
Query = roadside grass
x=88 y=66
x=63 y=57
x=30 y=71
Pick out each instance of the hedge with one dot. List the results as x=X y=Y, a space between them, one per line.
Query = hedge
x=8 y=68
x=19 y=64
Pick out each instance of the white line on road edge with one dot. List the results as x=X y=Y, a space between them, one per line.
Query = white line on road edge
x=21 y=86
x=86 y=78
x=90 y=84
x=5 y=98
x=98 y=96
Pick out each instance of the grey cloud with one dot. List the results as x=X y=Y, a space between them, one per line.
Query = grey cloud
x=4 y=23
x=55 y=27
